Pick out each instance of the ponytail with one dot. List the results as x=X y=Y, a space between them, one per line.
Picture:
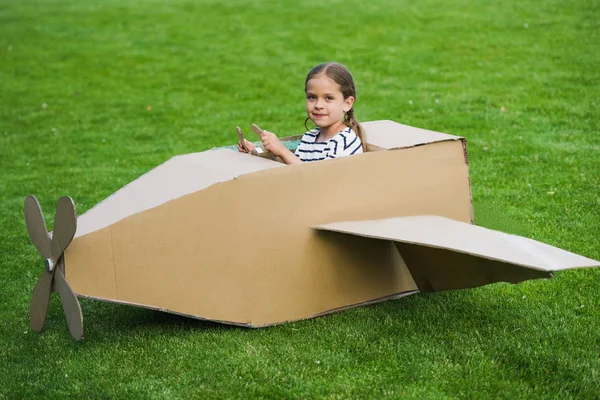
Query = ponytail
x=351 y=121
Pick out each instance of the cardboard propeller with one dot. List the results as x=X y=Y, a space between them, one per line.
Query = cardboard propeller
x=51 y=247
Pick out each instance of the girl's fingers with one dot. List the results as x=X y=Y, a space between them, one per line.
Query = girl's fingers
x=264 y=135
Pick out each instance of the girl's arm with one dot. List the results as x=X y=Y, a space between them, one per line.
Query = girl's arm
x=274 y=145
x=289 y=158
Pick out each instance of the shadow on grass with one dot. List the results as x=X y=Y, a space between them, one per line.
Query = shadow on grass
x=459 y=310
x=105 y=321
x=446 y=315
x=488 y=311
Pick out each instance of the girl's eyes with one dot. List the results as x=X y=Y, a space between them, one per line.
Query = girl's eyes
x=313 y=97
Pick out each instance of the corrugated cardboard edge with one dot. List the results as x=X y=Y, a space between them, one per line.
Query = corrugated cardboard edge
x=466 y=153
x=242 y=325
x=365 y=303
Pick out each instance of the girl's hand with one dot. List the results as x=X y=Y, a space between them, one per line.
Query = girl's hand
x=272 y=143
x=249 y=146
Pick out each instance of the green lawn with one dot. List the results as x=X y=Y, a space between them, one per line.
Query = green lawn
x=95 y=93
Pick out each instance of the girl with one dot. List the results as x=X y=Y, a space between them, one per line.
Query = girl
x=330 y=96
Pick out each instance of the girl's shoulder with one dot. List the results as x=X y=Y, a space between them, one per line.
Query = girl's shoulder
x=344 y=134
x=345 y=143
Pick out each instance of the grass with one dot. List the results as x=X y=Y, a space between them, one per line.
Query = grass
x=95 y=93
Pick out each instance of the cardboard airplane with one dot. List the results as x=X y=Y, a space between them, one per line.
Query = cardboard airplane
x=244 y=240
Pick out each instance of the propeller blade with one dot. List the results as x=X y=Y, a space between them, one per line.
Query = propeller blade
x=40 y=301
x=36 y=226
x=65 y=225
x=70 y=304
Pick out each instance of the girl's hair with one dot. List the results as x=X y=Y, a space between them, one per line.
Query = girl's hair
x=340 y=75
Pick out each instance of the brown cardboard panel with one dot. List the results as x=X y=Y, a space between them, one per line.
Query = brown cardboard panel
x=439 y=232
x=392 y=135
x=436 y=269
x=176 y=177
x=445 y=254
x=374 y=301
x=89 y=265
x=242 y=250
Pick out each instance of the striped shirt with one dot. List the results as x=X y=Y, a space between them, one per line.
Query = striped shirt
x=344 y=143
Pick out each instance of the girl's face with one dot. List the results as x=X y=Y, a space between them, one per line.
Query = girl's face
x=325 y=104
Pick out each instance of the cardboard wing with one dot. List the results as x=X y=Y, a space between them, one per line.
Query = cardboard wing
x=443 y=254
